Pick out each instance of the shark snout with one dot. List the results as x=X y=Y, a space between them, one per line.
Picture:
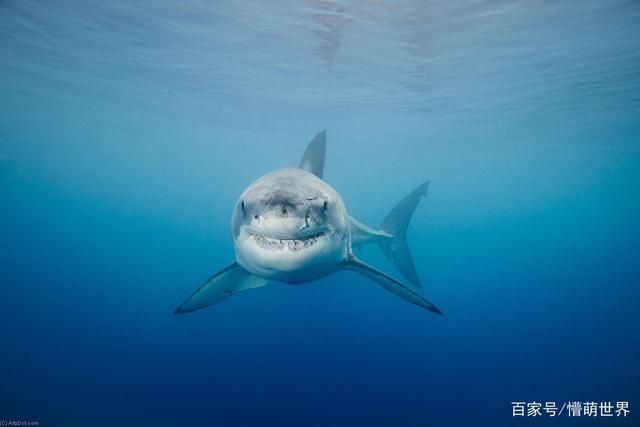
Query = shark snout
x=283 y=210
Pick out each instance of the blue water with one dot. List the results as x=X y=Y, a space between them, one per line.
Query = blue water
x=128 y=130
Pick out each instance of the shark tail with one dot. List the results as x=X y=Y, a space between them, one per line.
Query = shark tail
x=396 y=224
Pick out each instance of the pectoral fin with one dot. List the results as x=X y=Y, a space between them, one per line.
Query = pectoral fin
x=388 y=282
x=226 y=282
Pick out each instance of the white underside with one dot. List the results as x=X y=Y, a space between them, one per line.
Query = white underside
x=290 y=260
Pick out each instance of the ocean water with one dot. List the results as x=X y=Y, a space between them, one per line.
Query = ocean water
x=129 y=128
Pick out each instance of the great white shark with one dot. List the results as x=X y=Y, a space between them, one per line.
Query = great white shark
x=291 y=226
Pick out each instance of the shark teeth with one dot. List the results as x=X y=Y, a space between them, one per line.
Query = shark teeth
x=292 y=245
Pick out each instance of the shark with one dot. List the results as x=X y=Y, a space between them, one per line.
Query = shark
x=291 y=226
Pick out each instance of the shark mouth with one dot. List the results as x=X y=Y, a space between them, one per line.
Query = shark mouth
x=292 y=245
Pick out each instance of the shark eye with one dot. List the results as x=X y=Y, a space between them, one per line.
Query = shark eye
x=325 y=205
x=242 y=206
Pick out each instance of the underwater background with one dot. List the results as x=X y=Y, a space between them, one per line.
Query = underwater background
x=129 y=128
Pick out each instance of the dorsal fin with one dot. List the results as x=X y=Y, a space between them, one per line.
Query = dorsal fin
x=313 y=157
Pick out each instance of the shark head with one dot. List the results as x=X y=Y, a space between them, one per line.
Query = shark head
x=290 y=225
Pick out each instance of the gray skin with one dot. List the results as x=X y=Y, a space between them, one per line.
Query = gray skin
x=291 y=226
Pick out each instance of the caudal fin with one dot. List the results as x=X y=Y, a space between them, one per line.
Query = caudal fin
x=396 y=224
